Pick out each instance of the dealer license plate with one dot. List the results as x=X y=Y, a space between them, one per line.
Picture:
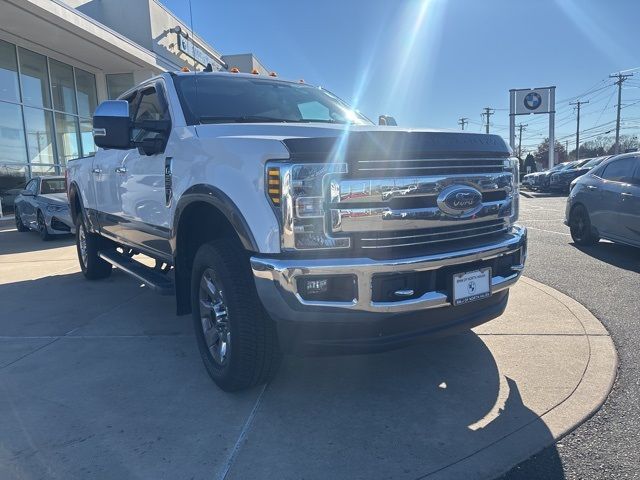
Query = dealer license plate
x=471 y=286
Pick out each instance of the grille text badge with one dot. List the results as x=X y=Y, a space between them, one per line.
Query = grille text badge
x=460 y=200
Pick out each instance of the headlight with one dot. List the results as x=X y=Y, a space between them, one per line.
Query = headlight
x=57 y=208
x=297 y=191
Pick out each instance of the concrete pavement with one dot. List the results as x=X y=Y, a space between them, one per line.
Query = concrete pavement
x=102 y=380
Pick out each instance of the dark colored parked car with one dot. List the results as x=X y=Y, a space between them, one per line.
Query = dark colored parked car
x=43 y=206
x=605 y=203
x=540 y=181
x=561 y=181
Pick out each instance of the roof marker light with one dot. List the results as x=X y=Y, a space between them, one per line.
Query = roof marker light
x=273 y=74
x=234 y=70
x=255 y=71
x=185 y=69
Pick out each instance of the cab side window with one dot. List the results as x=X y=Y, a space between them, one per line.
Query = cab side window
x=149 y=107
x=619 y=170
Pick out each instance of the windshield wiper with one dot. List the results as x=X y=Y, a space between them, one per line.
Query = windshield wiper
x=243 y=119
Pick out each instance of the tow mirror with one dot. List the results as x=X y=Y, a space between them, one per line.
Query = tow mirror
x=387 y=120
x=112 y=125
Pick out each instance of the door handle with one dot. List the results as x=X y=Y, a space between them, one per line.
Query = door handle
x=121 y=169
x=592 y=187
x=96 y=171
x=626 y=194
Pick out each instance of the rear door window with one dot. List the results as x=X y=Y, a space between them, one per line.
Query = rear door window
x=620 y=170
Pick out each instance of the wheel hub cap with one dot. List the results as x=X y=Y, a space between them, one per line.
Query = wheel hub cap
x=214 y=317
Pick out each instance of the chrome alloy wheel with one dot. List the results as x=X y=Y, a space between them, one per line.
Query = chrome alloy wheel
x=214 y=317
x=82 y=242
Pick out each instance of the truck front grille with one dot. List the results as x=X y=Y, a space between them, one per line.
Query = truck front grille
x=427 y=166
x=427 y=236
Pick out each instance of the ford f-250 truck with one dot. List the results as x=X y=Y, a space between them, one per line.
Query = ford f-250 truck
x=284 y=220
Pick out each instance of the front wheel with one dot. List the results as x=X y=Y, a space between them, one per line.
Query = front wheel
x=42 y=227
x=237 y=340
x=88 y=245
x=580 y=227
x=21 y=227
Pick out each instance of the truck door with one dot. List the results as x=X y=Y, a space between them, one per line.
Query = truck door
x=141 y=181
x=106 y=184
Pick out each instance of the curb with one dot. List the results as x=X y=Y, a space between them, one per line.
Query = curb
x=581 y=404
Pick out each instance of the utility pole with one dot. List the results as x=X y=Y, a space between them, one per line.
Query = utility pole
x=621 y=78
x=520 y=127
x=577 y=104
x=566 y=147
x=463 y=121
x=487 y=113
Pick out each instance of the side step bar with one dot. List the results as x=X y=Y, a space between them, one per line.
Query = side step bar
x=158 y=282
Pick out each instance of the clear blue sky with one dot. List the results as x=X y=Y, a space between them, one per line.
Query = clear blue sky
x=430 y=62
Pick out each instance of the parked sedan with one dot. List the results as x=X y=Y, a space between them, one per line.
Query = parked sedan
x=540 y=181
x=561 y=181
x=605 y=203
x=43 y=206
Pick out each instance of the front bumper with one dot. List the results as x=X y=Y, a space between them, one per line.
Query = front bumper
x=276 y=283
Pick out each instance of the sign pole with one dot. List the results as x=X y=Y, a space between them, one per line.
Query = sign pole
x=552 y=125
x=512 y=119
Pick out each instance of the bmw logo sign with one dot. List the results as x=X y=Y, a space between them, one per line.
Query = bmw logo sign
x=532 y=101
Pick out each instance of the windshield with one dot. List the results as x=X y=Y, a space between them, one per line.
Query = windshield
x=234 y=99
x=593 y=162
x=52 y=185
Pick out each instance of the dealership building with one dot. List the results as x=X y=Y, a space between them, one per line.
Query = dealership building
x=59 y=59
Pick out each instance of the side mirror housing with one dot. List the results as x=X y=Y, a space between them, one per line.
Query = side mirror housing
x=112 y=125
x=387 y=120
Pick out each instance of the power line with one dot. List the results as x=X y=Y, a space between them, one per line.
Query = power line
x=621 y=79
x=487 y=114
x=578 y=104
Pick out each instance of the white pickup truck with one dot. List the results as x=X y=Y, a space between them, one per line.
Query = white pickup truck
x=285 y=221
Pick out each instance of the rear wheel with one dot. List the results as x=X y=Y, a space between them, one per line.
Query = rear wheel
x=88 y=245
x=237 y=340
x=19 y=225
x=580 y=227
x=42 y=227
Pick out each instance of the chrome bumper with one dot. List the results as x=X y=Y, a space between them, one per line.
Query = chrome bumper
x=283 y=273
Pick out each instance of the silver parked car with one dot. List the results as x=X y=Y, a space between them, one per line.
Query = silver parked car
x=43 y=206
x=605 y=203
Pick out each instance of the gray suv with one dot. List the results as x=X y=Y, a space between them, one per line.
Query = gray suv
x=605 y=203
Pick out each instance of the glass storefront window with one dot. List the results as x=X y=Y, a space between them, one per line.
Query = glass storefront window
x=39 y=125
x=62 y=87
x=9 y=89
x=43 y=170
x=86 y=137
x=34 y=78
x=87 y=93
x=67 y=137
x=12 y=147
x=118 y=83
x=13 y=179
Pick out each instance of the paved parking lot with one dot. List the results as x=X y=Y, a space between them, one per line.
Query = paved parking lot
x=102 y=380
x=604 y=278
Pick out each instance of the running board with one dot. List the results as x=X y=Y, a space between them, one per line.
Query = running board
x=156 y=281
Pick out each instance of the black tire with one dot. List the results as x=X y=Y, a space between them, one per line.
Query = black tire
x=580 y=227
x=93 y=267
x=21 y=227
x=252 y=355
x=42 y=228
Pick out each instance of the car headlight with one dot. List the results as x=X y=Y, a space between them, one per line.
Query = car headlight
x=297 y=193
x=57 y=208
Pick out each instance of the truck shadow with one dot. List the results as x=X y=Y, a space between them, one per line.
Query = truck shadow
x=407 y=414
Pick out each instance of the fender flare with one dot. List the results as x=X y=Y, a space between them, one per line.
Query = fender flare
x=221 y=201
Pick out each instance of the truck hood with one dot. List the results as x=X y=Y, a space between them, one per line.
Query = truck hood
x=318 y=140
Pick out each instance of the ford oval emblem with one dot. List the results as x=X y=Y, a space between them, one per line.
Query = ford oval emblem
x=460 y=200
